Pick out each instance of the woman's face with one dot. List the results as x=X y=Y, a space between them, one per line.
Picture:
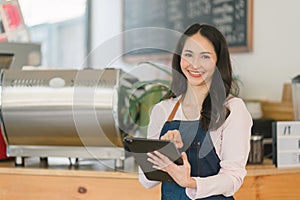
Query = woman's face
x=198 y=60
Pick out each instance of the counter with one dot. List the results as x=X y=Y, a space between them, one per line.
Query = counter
x=58 y=182
x=262 y=182
x=267 y=182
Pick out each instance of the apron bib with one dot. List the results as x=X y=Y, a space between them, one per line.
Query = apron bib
x=200 y=151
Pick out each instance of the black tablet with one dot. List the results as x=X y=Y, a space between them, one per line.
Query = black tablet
x=139 y=147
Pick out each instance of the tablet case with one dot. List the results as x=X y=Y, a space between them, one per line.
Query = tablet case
x=139 y=147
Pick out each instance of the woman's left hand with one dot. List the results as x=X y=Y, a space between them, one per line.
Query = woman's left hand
x=180 y=173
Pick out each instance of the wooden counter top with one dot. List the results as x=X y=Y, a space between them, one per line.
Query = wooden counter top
x=8 y=168
x=267 y=168
x=68 y=173
x=31 y=183
x=262 y=182
x=268 y=182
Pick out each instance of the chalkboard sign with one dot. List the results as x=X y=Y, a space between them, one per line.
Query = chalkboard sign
x=232 y=17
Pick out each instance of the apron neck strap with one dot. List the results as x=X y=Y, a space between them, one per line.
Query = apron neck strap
x=175 y=108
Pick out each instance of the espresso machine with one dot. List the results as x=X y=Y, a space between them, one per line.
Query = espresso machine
x=63 y=113
x=15 y=55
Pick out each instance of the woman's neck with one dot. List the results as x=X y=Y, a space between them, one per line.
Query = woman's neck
x=193 y=100
x=195 y=95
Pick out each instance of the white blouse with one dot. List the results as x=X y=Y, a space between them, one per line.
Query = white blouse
x=231 y=141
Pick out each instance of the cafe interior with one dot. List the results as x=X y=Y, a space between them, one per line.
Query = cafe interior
x=78 y=76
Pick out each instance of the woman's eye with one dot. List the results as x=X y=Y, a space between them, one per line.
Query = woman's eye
x=187 y=55
x=205 y=57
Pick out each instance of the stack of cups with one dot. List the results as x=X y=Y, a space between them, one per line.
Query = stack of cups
x=256 y=154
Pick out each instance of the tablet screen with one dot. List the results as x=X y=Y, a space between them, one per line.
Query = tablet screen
x=139 y=147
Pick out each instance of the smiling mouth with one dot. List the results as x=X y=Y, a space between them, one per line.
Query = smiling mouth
x=195 y=74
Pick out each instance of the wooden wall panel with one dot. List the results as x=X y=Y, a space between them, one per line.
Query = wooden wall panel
x=272 y=186
x=29 y=187
x=28 y=184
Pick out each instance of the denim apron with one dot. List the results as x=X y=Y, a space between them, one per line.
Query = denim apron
x=200 y=151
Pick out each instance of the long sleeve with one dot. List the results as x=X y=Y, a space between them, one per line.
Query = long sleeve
x=157 y=119
x=145 y=182
x=233 y=149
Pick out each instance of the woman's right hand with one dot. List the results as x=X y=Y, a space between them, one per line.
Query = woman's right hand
x=174 y=136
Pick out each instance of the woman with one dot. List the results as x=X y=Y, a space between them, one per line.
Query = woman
x=205 y=120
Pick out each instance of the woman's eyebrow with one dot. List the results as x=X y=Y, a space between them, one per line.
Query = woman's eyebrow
x=202 y=52
x=205 y=52
x=189 y=51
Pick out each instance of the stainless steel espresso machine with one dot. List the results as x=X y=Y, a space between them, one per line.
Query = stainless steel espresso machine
x=62 y=113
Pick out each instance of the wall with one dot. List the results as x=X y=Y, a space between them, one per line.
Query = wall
x=273 y=61
x=275 y=58
x=106 y=28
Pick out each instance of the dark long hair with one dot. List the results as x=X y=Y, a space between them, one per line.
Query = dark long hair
x=213 y=112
